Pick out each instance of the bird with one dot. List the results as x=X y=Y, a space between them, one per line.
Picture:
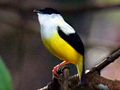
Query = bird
x=61 y=40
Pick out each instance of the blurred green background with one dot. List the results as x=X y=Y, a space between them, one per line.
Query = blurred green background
x=29 y=62
x=5 y=78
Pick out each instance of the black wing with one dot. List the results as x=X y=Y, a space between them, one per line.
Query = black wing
x=73 y=39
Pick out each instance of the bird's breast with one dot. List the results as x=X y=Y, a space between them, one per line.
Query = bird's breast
x=59 y=47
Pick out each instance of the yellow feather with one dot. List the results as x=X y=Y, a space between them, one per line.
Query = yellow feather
x=80 y=67
x=64 y=51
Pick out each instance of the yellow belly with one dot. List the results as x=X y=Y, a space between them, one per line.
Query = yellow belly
x=61 y=49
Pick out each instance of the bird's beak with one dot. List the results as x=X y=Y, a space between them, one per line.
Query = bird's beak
x=38 y=11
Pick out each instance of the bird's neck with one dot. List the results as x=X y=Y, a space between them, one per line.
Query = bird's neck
x=48 y=30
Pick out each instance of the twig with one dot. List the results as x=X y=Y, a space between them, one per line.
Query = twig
x=106 y=61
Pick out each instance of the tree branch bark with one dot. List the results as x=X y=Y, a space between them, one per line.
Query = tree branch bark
x=92 y=78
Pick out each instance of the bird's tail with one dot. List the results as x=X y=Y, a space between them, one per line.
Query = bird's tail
x=81 y=71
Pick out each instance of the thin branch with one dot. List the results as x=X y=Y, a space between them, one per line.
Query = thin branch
x=106 y=61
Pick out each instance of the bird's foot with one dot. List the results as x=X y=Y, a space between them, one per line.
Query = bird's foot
x=54 y=72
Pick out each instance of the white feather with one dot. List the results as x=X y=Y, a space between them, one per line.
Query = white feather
x=49 y=24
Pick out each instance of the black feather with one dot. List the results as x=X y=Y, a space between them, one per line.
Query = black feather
x=49 y=11
x=73 y=39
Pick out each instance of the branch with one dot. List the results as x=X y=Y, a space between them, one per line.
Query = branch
x=106 y=61
x=61 y=83
x=92 y=78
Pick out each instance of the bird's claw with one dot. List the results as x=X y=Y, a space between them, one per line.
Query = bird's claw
x=54 y=72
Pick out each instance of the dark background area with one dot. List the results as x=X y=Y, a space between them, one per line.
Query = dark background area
x=29 y=62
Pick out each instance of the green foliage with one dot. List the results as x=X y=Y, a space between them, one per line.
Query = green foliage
x=5 y=78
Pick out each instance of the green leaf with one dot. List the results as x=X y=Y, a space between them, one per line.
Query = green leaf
x=5 y=78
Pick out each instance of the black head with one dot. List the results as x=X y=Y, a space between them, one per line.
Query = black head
x=47 y=11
